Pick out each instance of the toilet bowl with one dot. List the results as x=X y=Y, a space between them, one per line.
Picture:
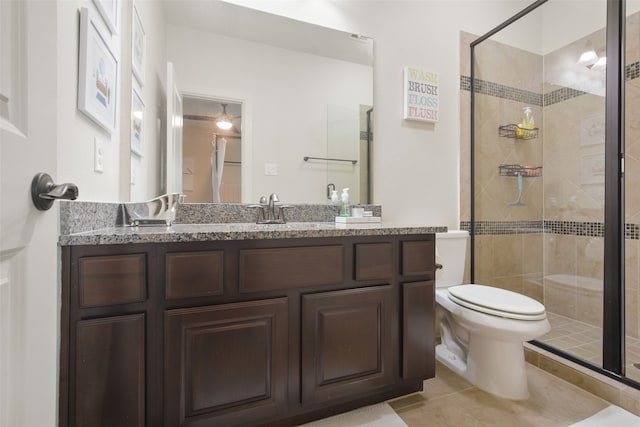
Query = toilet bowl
x=482 y=328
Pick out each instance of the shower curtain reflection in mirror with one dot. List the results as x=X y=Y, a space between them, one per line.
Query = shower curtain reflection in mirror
x=211 y=156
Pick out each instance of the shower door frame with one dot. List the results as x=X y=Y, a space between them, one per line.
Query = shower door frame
x=613 y=328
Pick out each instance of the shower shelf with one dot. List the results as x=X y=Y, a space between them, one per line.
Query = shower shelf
x=516 y=132
x=519 y=170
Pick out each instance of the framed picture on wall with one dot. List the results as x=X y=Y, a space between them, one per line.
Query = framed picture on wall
x=98 y=74
x=109 y=11
x=137 y=123
x=138 y=47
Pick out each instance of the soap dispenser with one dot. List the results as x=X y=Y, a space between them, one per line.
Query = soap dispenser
x=335 y=199
x=345 y=207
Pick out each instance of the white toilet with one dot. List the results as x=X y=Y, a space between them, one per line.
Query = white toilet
x=482 y=328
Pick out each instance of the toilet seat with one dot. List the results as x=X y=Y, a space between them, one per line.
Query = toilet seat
x=497 y=302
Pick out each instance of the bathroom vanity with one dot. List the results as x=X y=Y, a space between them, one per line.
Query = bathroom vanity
x=242 y=324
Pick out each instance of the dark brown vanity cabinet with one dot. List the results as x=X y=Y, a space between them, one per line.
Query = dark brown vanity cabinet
x=243 y=333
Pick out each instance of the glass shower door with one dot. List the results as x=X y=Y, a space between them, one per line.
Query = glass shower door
x=632 y=196
x=539 y=190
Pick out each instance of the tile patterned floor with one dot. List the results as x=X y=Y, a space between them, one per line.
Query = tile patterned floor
x=449 y=400
x=585 y=341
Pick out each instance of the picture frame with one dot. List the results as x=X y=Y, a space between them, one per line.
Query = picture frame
x=109 y=11
x=137 y=123
x=138 y=47
x=421 y=95
x=97 y=76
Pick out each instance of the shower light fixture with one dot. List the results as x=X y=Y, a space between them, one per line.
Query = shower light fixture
x=588 y=58
x=224 y=122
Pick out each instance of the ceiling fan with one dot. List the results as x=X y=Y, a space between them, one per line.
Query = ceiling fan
x=226 y=122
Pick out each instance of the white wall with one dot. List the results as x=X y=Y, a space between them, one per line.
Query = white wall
x=147 y=182
x=292 y=123
x=415 y=166
x=77 y=131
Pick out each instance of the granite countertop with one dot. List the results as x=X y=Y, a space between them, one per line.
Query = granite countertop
x=238 y=231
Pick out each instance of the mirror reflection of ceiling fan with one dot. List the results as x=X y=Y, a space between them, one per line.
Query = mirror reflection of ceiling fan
x=227 y=121
x=225 y=117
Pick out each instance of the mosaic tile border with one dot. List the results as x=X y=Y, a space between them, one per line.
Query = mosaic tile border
x=560 y=95
x=503 y=227
x=632 y=71
x=570 y=228
x=502 y=91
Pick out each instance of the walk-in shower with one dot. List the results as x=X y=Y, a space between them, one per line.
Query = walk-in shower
x=547 y=206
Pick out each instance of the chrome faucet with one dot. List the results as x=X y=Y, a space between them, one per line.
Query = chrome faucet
x=269 y=212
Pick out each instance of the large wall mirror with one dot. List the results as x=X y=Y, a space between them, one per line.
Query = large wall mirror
x=299 y=98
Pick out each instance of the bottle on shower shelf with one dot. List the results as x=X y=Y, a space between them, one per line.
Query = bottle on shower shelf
x=527 y=119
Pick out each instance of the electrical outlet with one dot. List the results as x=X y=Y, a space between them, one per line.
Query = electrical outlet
x=98 y=155
x=271 y=169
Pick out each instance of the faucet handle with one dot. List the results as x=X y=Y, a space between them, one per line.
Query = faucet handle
x=261 y=215
x=263 y=200
x=273 y=197
x=280 y=215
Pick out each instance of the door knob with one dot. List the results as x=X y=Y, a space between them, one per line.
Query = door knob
x=44 y=191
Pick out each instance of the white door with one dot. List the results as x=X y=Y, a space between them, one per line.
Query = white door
x=29 y=298
x=174 y=133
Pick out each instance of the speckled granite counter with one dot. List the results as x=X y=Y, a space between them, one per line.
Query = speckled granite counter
x=100 y=223
x=238 y=231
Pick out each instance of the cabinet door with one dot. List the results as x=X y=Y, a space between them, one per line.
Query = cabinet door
x=347 y=342
x=109 y=377
x=226 y=365
x=418 y=330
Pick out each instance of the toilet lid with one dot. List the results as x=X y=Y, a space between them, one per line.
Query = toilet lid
x=497 y=302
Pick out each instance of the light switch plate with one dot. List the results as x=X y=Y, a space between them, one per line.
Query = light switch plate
x=98 y=155
x=271 y=169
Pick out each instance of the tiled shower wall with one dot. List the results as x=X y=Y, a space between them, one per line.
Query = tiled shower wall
x=552 y=248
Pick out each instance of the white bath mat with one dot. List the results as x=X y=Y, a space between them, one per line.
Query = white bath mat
x=379 y=415
x=613 y=416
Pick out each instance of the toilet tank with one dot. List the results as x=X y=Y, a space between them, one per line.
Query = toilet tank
x=451 y=251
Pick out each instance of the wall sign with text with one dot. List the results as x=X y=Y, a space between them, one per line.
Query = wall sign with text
x=421 y=95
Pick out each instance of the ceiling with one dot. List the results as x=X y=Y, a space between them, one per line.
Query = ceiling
x=253 y=25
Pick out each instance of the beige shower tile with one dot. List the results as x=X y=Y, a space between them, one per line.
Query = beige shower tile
x=560 y=254
x=510 y=283
x=631 y=265
x=632 y=313
x=564 y=343
x=532 y=251
x=590 y=256
x=532 y=286
x=561 y=300
x=605 y=390
x=484 y=258
x=507 y=255
x=630 y=399
x=589 y=309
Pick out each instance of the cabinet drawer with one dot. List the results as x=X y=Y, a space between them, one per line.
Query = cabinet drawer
x=418 y=257
x=374 y=261
x=114 y=279
x=194 y=274
x=284 y=268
